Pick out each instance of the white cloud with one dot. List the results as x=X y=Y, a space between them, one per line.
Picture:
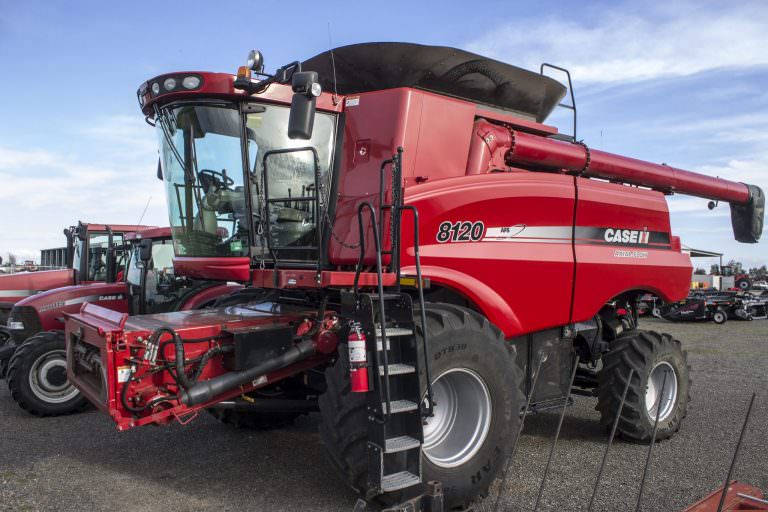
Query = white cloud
x=45 y=190
x=626 y=45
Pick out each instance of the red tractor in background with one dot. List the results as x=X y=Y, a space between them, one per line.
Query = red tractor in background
x=396 y=221
x=138 y=278
x=85 y=261
x=741 y=280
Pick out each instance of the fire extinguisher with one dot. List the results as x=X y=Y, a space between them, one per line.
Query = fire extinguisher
x=358 y=360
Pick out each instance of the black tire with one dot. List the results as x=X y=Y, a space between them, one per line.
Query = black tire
x=719 y=317
x=24 y=362
x=253 y=420
x=459 y=338
x=642 y=351
x=743 y=284
x=8 y=342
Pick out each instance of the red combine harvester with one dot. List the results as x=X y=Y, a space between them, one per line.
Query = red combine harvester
x=35 y=355
x=425 y=177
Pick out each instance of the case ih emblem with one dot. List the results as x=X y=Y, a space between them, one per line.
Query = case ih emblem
x=626 y=236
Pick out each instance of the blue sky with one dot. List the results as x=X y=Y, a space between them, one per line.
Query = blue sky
x=677 y=82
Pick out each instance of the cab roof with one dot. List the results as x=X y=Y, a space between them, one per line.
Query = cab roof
x=369 y=67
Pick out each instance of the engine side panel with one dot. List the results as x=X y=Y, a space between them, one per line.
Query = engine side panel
x=624 y=242
x=501 y=239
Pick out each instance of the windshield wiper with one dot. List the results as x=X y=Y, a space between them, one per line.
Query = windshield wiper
x=163 y=118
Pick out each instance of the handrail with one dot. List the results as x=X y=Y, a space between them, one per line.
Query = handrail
x=382 y=316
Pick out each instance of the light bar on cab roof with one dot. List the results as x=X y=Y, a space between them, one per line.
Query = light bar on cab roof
x=169 y=83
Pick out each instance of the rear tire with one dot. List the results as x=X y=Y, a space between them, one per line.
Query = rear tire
x=37 y=377
x=461 y=343
x=651 y=355
x=743 y=284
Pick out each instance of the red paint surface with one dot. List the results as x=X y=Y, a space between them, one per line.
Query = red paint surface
x=18 y=286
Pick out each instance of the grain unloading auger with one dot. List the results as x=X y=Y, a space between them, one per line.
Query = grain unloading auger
x=423 y=238
x=518 y=148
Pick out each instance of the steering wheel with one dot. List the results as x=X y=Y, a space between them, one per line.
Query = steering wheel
x=217 y=179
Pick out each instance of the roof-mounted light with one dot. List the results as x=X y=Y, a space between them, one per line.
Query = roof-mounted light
x=169 y=84
x=255 y=61
x=191 y=82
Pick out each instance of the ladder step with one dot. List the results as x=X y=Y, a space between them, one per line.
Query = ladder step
x=401 y=444
x=399 y=406
x=394 y=331
x=397 y=481
x=387 y=296
x=397 y=369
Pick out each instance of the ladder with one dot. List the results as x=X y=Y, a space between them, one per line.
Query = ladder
x=396 y=357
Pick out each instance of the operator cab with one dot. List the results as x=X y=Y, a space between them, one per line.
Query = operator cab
x=90 y=247
x=238 y=185
x=153 y=285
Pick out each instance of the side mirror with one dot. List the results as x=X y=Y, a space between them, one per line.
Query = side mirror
x=159 y=170
x=306 y=89
x=145 y=250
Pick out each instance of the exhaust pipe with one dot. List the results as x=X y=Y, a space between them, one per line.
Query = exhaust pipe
x=206 y=391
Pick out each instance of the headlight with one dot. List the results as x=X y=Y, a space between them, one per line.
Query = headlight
x=169 y=84
x=16 y=326
x=191 y=82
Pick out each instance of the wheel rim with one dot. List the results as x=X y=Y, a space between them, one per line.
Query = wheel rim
x=48 y=378
x=661 y=405
x=461 y=420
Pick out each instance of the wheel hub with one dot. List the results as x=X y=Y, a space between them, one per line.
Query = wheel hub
x=461 y=420
x=48 y=378
x=656 y=404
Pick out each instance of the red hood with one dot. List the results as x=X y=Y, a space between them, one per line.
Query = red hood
x=14 y=287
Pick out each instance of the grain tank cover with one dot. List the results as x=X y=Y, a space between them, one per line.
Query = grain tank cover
x=374 y=66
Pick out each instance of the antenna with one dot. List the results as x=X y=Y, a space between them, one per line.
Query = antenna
x=144 y=212
x=333 y=66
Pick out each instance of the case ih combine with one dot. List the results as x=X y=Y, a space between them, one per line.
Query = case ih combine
x=35 y=354
x=396 y=220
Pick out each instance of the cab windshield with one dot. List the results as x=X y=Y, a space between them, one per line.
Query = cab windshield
x=95 y=251
x=204 y=169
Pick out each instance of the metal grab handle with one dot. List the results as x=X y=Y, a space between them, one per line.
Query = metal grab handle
x=380 y=278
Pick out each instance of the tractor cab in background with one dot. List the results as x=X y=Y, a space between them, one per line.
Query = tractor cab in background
x=86 y=262
x=138 y=268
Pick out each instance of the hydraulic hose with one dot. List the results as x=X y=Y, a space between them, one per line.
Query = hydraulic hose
x=205 y=391
x=181 y=375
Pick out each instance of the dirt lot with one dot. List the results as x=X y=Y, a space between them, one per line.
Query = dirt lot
x=82 y=463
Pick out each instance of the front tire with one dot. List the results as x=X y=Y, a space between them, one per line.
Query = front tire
x=652 y=355
x=468 y=358
x=719 y=317
x=37 y=377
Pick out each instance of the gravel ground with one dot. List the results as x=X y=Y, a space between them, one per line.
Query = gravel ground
x=82 y=463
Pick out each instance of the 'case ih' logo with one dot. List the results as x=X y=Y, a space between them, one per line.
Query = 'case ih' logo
x=626 y=236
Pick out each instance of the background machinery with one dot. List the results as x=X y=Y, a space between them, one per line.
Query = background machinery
x=85 y=262
x=394 y=221
x=138 y=278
